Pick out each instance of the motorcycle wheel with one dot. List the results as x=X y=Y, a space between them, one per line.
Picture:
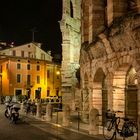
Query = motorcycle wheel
x=14 y=119
x=6 y=114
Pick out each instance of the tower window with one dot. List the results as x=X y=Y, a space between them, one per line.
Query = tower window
x=71 y=9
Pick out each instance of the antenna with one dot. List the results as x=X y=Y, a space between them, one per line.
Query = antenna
x=33 y=30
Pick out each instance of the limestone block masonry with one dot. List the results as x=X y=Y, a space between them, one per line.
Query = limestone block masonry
x=71 y=44
x=111 y=67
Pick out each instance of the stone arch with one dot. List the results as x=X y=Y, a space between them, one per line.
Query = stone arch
x=125 y=90
x=99 y=93
x=131 y=94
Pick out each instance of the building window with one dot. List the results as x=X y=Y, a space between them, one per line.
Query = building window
x=38 y=79
x=28 y=67
x=42 y=56
x=18 y=66
x=14 y=53
x=29 y=54
x=22 y=53
x=37 y=67
x=48 y=92
x=28 y=79
x=1 y=68
x=57 y=76
x=48 y=73
x=57 y=92
x=18 y=78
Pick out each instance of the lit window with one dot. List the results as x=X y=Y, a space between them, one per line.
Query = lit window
x=48 y=92
x=22 y=53
x=14 y=53
x=48 y=73
x=38 y=79
x=18 y=78
x=57 y=92
x=1 y=68
x=42 y=56
x=28 y=67
x=37 y=67
x=28 y=79
x=18 y=66
x=29 y=54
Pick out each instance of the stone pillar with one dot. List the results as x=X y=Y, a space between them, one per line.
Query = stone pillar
x=66 y=115
x=49 y=111
x=22 y=108
x=93 y=121
x=38 y=111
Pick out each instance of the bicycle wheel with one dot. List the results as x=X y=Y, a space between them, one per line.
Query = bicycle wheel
x=133 y=128
x=109 y=130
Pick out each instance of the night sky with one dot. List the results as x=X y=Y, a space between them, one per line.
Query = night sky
x=19 y=17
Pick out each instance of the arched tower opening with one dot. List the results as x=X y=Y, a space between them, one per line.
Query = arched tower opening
x=71 y=9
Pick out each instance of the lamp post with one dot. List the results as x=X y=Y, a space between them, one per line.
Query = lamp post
x=0 y=88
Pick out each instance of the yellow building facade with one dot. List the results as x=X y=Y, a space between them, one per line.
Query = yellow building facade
x=29 y=76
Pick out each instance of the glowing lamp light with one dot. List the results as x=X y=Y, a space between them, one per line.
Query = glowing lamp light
x=58 y=73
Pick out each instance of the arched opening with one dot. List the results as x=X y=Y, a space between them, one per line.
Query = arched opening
x=71 y=9
x=125 y=91
x=99 y=96
x=131 y=94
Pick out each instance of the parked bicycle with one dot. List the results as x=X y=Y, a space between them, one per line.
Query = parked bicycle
x=112 y=127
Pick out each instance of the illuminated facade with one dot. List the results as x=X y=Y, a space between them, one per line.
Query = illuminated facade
x=71 y=44
x=109 y=59
x=28 y=70
x=109 y=44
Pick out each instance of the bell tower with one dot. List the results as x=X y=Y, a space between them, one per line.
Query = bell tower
x=71 y=44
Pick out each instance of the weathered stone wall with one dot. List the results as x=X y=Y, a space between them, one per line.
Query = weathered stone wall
x=71 y=44
x=115 y=52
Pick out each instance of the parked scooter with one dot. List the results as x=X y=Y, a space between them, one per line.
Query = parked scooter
x=12 y=111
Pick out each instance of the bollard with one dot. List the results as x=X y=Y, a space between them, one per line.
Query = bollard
x=48 y=112
x=93 y=121
x=22 y=108
x=38 y=111
x=66 y=115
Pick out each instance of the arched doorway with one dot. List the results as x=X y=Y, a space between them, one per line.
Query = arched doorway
x=125 y=91
x=100 y=93
x=131 y=94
